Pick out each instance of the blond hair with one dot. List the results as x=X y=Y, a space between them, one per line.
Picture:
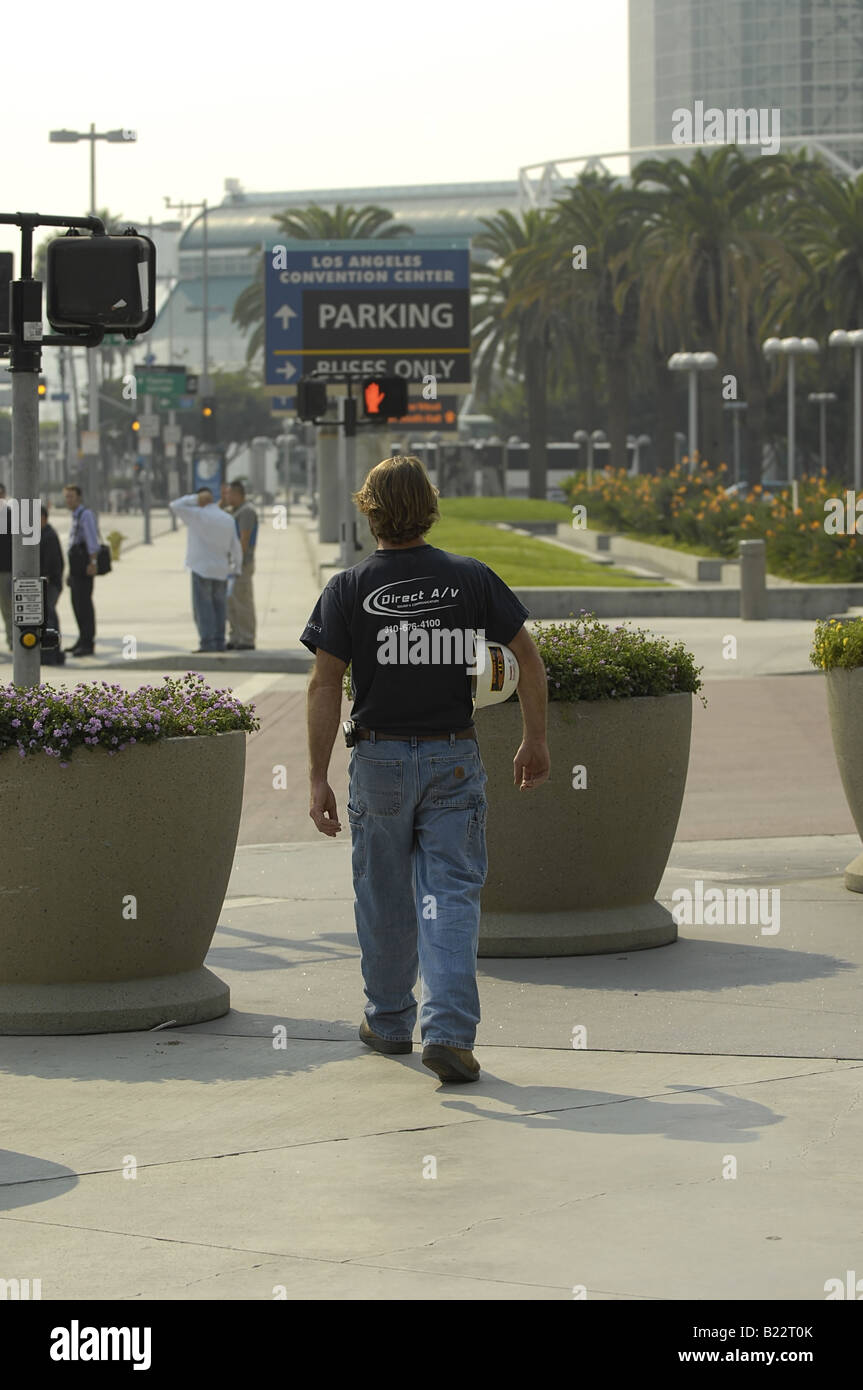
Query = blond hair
x=399 y=499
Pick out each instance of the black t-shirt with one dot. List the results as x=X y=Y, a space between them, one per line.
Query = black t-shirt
x=407 y=621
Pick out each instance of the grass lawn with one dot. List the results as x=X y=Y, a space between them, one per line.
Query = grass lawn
x=511 y=509
x=523 y=561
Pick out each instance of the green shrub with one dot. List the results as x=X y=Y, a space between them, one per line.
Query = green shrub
x=586 y=660
x=837 y=644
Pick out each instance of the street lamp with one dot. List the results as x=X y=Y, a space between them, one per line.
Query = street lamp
x=822 y=399
x=792 y=348
x=592 y=441
x=636 y=444
x=693 y=363
x=205 y=309
x=114 y=137
x=736 y=407
x=854 y=339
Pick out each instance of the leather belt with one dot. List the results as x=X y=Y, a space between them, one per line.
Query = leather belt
x=423 y=738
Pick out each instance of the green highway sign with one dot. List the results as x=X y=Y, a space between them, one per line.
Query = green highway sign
x=166 y=385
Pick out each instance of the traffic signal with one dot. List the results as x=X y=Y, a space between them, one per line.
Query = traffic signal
x=208 y=420
x=385 y=398
x=135 y=427
x=42 y=388
x=102 y=281
x=311 y=398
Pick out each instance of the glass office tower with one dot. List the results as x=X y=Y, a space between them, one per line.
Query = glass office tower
x=803 y=56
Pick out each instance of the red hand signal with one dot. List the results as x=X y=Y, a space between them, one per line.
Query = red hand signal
x=373 y=397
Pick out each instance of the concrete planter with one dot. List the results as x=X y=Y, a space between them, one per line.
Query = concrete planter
x=845 y=706
x=112 y=877
x=574 y=871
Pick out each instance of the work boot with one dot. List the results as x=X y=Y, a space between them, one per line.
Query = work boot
x=386 y=1045
x=451 y=1063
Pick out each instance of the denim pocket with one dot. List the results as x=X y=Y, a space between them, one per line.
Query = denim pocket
x=454 y=779
x=377 y=785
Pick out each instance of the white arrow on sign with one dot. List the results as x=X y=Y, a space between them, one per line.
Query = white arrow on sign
x=287 y=371
x=286 y=313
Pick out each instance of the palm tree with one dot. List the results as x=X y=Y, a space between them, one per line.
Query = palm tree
x=707 y=241
x=594 y=294
x=515 y=330
x=313 y=223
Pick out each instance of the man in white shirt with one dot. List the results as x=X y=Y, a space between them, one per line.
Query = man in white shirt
x=213 y=553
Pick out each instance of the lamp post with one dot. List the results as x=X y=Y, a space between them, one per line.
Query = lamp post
x=205 y=308
x=840 y=337
x=114 y=137
x=792 y=348
x=636 y=444
x=736 y=407
x=693 y=363
x=822 y=399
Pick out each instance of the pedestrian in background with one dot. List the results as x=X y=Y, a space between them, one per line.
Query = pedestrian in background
x=213 y=552
x=5 y=566
x=241 y=599
x=51 y=566
x=83 y=554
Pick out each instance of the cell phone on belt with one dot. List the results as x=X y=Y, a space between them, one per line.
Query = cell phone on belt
x=349 y=731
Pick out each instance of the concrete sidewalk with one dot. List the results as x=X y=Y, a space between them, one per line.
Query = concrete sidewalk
x=269 y=1149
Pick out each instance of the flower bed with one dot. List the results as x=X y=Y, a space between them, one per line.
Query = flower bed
x=44 y=719
x=695 y=510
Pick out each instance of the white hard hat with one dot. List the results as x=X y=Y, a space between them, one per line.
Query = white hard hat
x=494 y=675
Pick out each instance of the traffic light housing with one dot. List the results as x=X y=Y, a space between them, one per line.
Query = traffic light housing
x=385 y=398
x=311 y=398
x=41 y=389
x=101 y=281
x=208 y=420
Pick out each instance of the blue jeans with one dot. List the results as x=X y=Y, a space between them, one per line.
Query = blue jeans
x=209 y=605
x=417 y=812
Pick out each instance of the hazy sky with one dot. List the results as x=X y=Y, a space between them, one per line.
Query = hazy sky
x=322 y=95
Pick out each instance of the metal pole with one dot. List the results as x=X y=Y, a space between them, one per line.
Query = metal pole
x=590 y=463
x=92 y=474
x=145 y=480
x=26 y=661
x=206 y=313
x=858 y=418
x=822 y=407
x=791 y=439
x=347 y=469
x=172 y=419
x=736 y=428
x=693 y=417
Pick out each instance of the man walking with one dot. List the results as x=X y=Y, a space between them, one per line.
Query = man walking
x=416 y=799
x=241 y=600
x=212 y=553
x=83 y=554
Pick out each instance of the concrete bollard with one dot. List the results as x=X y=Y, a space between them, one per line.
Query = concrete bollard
x=753 y=581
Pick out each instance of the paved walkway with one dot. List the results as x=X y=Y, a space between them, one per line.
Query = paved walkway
x=334 y=1173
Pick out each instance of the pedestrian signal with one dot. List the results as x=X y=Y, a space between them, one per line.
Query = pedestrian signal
x=311 y=399
x=102 y=281
x=385 y=397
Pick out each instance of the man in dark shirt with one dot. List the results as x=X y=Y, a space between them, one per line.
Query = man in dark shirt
x=408 y=620
x=51 y=566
